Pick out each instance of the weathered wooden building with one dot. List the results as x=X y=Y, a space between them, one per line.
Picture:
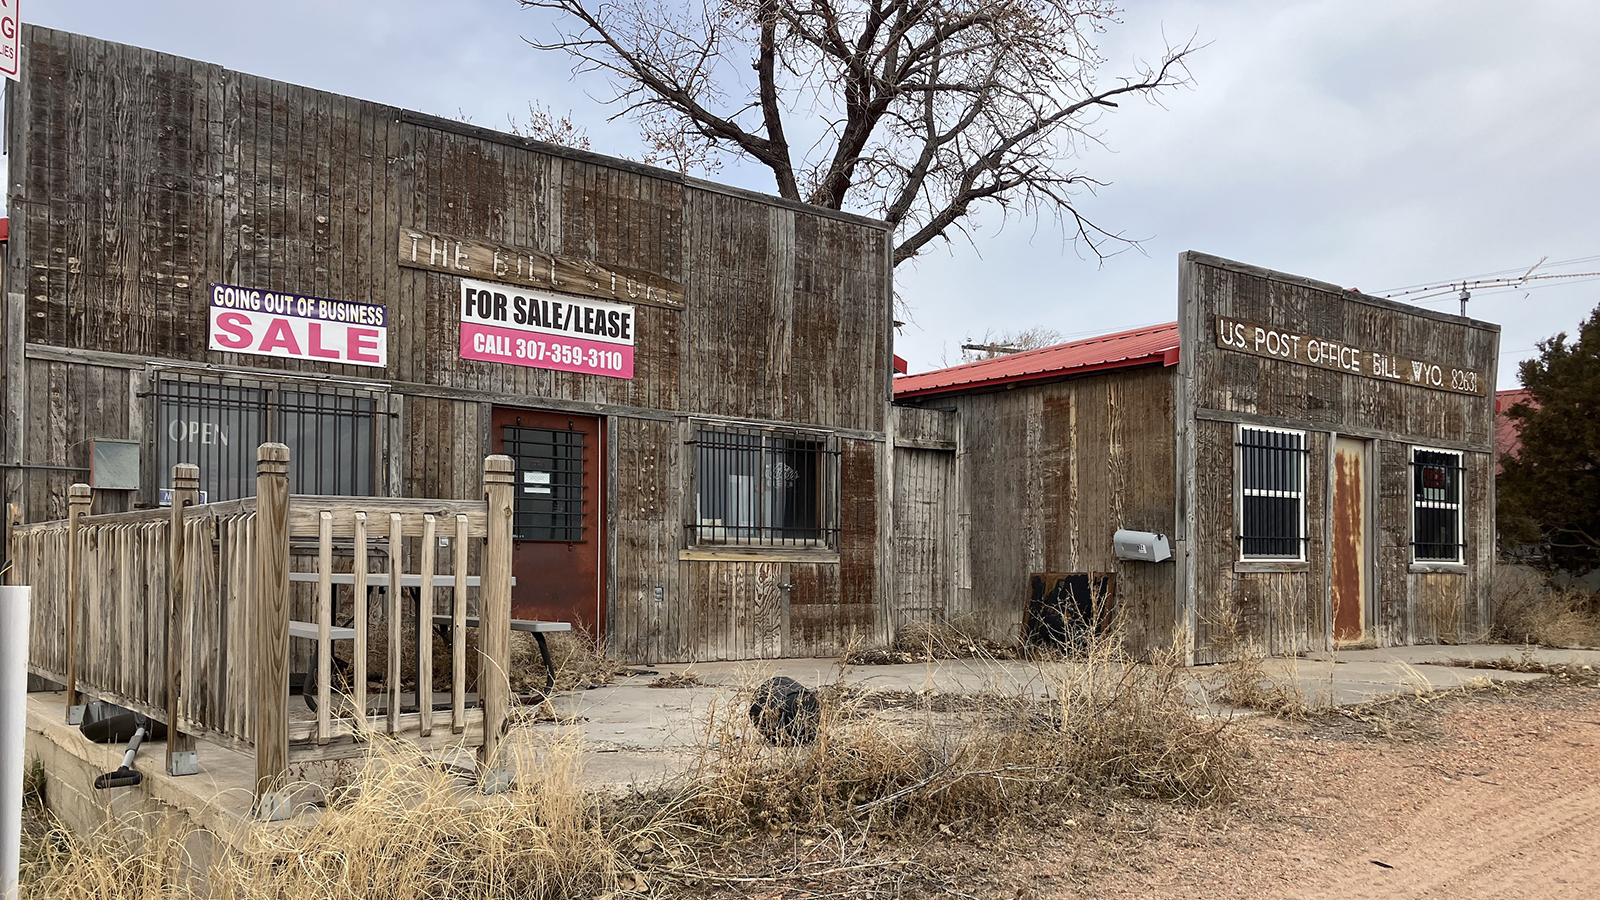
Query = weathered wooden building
x=1321 y=461
x=692 y=379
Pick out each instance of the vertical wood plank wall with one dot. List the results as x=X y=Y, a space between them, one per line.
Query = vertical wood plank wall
x=1046 y=475
x=1411 y=605
x=138 y=179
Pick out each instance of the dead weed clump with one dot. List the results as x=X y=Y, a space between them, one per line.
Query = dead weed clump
x=1105 y=724
x=914 y=642
x=578 y=662
x=1246 y=684
x=403 y=828
x=685 y=678
x=1529 y=609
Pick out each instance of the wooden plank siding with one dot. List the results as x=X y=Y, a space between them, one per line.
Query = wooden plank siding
x=1044 y=476
x=142 y=178
x=1286 y=611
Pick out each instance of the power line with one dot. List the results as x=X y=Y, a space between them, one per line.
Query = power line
x=1410 y=288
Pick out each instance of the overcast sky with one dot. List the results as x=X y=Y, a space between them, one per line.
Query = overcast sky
x=1374 y=145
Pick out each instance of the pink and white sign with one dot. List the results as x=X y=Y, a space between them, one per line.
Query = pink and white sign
x=521 y=327
x=10 y=40
x=290 y=326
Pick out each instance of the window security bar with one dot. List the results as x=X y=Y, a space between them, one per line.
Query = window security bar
x=762 y=487
x=1272 y=487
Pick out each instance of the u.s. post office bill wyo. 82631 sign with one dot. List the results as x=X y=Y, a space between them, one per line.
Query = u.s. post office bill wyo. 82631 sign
x=508 y=324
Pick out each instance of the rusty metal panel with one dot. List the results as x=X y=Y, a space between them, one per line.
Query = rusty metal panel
x=1351 y=569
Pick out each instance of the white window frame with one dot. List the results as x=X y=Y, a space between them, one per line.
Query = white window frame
x=1240 y=492
x=1459 y=506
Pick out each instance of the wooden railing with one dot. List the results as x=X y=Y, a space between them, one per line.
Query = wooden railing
x=186 y=614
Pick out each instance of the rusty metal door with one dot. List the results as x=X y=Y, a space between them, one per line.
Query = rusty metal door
x=1352 y=567
x=558 y=554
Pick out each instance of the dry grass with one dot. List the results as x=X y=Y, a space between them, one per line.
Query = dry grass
x=1528 y=609
x=958 y=638
x=578 y=663
x=1103 y=725
x=905 y=770
x=1246 y=684
x=685 y=678
x=402 y=829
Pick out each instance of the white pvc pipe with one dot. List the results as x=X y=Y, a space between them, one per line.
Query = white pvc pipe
x=13 y=721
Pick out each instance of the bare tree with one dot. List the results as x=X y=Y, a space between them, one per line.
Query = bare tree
x=543 y=124
x=1007 y=342
x=916 y=111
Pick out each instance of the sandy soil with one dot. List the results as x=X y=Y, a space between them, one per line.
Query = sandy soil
x=1497 y=796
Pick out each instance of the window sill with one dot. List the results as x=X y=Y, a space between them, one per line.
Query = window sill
x=759 y=554
x=1271 y=565
x=1438 y=568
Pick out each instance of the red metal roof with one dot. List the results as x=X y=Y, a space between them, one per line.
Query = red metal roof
x=1508 y=431
x=1136 y=347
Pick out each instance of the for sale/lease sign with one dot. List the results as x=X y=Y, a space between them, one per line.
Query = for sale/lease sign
x=508 y=324
x=291 y=326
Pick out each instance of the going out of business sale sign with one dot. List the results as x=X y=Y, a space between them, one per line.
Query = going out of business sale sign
x=291 y=326
x=507 y=324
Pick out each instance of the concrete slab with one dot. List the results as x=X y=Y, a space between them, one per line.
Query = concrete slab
x=633 y=734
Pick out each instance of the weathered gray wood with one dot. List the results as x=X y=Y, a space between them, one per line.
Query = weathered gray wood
x=785 y=319
x=396 y=568
x=1231 y=388
x=185 y=492
x=79 y=497
x=425 y=607
x=324 y=623
x=458 y=630
x=358 y=696
x=271 y=651
x=494 y=606
x=9 y=547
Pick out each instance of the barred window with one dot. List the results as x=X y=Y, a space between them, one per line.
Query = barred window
x=218 y=424
x=1436 y=477
x=760 y=486
x=1271 y=467
x=549 y=483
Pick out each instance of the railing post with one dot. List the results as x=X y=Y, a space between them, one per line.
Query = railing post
x=79 y=496
x=182 y=756
x=9 y=548
x=494 y=601
x=271 y=655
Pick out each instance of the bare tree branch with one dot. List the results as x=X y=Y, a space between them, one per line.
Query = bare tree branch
x=920 y=112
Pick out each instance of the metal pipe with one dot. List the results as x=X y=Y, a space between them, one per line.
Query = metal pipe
x=45 y=468
x=14 y=603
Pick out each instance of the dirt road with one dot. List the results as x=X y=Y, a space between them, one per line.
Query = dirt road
x=1482 y=798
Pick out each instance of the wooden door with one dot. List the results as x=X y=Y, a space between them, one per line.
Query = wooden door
x=558 y=515
x=1352 y=567
x=924 y=535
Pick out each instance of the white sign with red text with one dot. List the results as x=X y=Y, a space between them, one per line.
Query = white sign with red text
x=291 y=326
x=10 y=40
x=523 y=327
